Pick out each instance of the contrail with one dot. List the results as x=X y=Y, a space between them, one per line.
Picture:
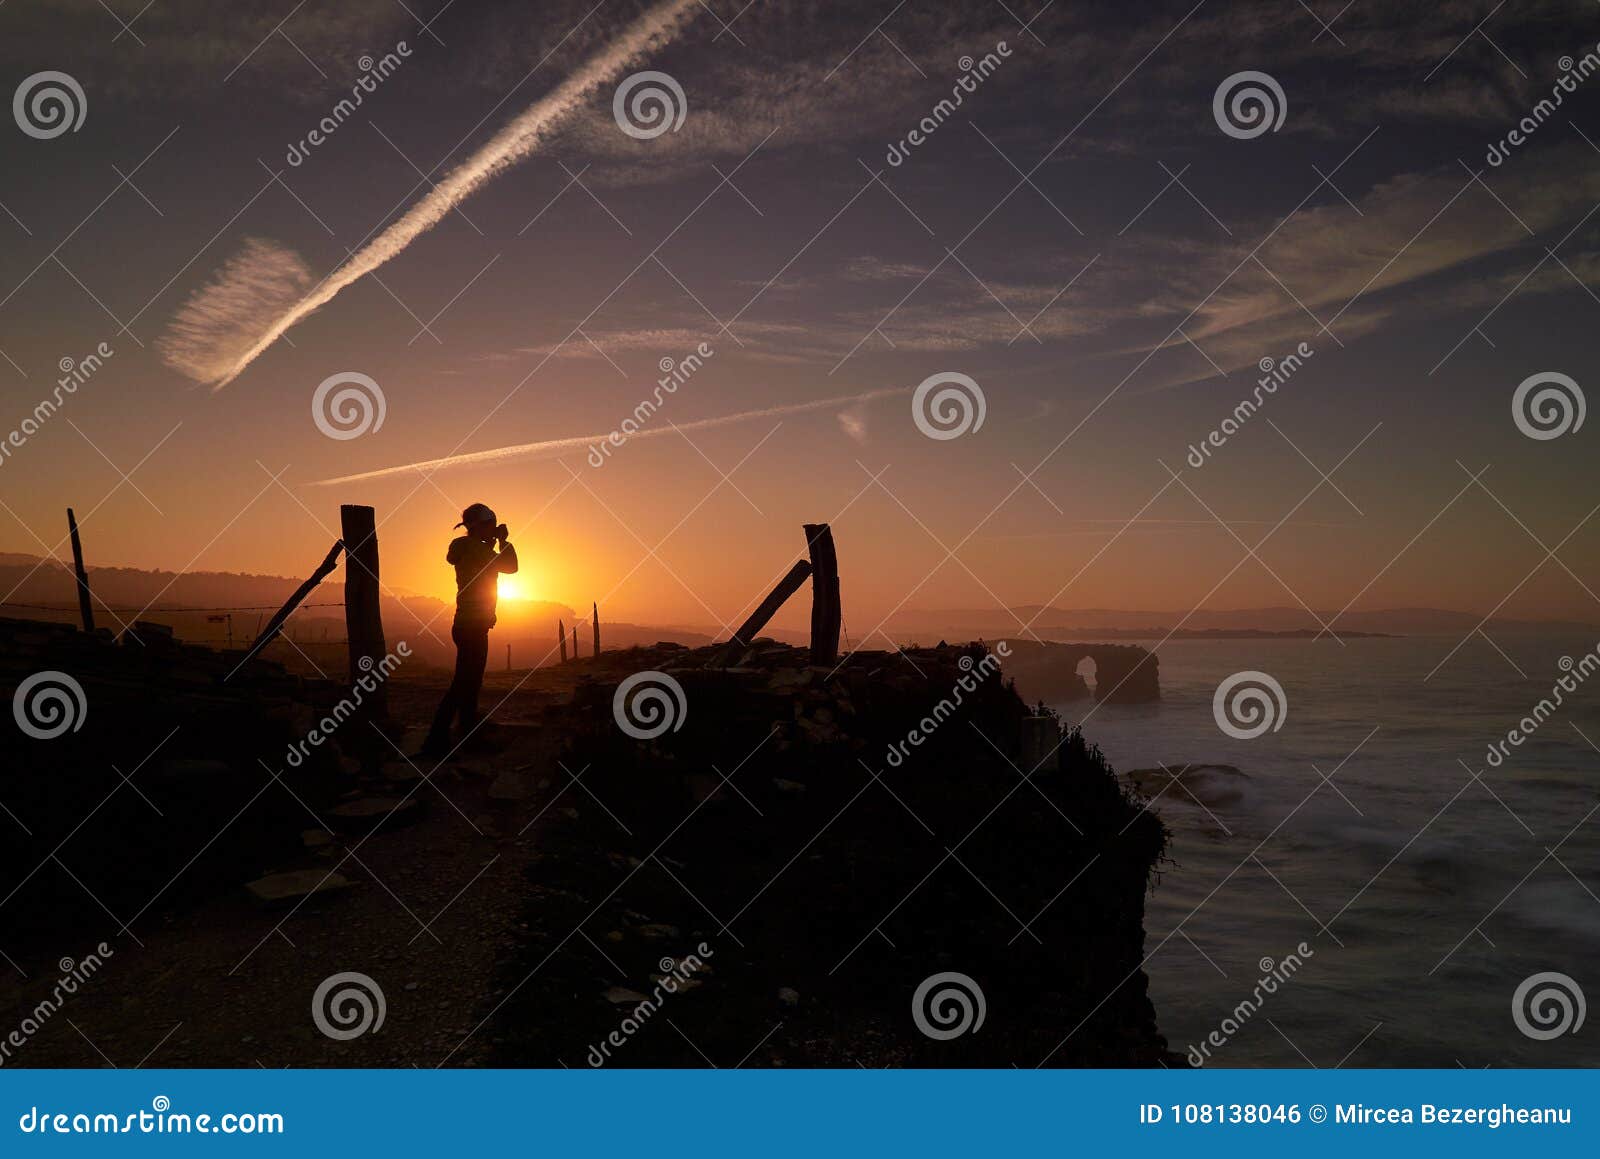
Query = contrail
x=513 y=143
x=554 y=448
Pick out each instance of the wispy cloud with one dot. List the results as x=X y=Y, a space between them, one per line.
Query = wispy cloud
x=231 y=322
x=556 y=448
x=212 y=331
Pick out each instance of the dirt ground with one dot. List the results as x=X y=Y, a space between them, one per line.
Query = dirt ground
x=431 y=914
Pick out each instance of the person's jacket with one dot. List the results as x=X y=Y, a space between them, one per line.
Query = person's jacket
x=477 y=565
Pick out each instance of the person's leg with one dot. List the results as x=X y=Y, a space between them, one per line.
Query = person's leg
x=473 y=654
x=439 y=734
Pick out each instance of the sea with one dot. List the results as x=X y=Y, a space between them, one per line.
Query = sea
x=1368 y=889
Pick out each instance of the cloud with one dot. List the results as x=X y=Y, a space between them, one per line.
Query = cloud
x=219 y=322
x=853 y=422
x=513 y=143
x=1411 y=248
x=556 y=448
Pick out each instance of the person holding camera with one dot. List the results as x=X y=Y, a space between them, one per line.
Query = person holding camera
x=478 y=568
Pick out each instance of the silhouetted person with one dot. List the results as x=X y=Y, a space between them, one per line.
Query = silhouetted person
x=478 y=566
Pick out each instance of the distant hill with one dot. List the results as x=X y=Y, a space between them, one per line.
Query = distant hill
x=529 y=626
x=1058 y=622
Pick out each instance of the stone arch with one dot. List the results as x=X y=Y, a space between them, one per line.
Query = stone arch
x=1087 y=669
x=1121 y=673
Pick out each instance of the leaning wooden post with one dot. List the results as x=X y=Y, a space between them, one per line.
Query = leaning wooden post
x=263 y=638
x=561 y=638
x=363 y=619
x=826 y=612
x=594 y=618
x=787 y=586
x=574 y=641
x=85 y=607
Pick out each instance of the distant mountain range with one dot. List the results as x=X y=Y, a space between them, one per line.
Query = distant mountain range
x=529 y=626
x=45 y=589
x=1069 y=623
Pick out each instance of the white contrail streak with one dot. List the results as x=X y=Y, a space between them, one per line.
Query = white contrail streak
x=510 y=145
x=555 y=448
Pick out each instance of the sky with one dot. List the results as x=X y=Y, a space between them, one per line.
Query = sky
x=1095 y=248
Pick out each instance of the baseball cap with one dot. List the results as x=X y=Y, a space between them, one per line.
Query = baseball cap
x=477 y=513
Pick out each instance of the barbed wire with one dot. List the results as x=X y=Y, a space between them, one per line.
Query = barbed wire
x=164 y=611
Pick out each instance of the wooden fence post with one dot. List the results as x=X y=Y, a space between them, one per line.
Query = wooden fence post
x=561 y=638
x=363 y=618
x=85 y=607
x=826 y=612
x=595 y=619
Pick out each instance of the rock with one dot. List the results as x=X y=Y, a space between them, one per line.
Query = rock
x=366 y=813
x=277 y=889
x=511 y=785
x=1203 y=785
x=819 y=732
x=182 y=771
x=784 y=786
x=622 y=996
x=684 y=984
x=150 y=634
x=788 y=996
x=656 y=931
x=315 y=838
